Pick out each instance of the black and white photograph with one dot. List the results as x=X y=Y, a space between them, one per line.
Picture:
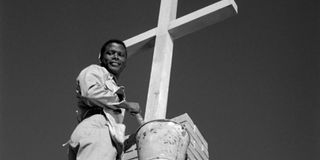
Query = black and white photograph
x=159 y=79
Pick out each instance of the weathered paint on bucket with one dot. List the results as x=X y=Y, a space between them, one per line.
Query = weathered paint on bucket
x=162 y=139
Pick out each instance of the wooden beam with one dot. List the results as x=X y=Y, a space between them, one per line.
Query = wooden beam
x=202 y=18
x=156 y=106
x=184 y=25
x=185 y=120
x=198 y=145
x=140 y=42
x=131 y=153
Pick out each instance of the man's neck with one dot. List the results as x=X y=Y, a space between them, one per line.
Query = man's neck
x=115 y=77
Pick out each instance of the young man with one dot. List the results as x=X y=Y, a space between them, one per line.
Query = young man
x=102 y=103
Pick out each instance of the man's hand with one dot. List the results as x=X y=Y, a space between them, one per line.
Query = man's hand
x=134 y=110
x=133 y=107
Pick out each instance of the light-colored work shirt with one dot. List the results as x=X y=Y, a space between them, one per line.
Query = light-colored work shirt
x=97 y=87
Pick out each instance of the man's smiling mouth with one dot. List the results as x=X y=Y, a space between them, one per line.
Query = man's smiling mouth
x=115 y=64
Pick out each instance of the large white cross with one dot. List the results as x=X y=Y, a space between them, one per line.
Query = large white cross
x=168 y=29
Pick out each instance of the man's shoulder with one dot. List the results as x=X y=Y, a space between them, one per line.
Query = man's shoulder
x=94 y=68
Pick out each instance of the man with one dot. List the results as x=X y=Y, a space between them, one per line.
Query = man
x=102 y=103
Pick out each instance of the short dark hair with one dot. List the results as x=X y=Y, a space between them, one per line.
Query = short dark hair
x=103 y=48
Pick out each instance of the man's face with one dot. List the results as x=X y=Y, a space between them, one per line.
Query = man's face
x=114 y=58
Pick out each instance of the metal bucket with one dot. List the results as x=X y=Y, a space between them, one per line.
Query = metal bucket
x=162 y=139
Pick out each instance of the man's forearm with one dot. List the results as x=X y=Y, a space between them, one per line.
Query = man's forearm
x=132 y=107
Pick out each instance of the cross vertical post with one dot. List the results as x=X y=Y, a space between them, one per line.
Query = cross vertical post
x=161 y=65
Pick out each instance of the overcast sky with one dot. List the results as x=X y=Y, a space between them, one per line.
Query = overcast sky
x=250 y=83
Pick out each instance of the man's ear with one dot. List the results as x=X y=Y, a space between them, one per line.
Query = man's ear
x=99 y=57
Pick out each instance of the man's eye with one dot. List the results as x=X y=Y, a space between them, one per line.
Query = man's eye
x=110 y=52
x=121 y=54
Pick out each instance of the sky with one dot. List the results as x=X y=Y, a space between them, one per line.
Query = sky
x=250 y=83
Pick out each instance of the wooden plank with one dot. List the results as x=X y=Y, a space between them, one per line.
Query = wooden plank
x=184 y=118
x=196 y=154
x=190 y=155
x=131 y=153
x=184 y=25
x=202 y=18
x=203 y=152
x=196 y=142
x=141 y=42
x=196 y=134
x=157 y=98
x=130 y=156
x=199 y=145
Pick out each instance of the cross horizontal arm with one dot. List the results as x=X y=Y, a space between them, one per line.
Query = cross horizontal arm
x=141 y=41
x=185 y=25
x=202 y=18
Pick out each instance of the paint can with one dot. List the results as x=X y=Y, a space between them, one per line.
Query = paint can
x=162 y=139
